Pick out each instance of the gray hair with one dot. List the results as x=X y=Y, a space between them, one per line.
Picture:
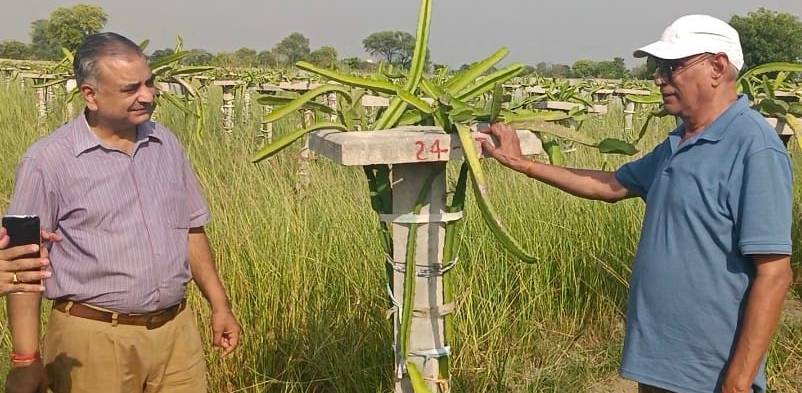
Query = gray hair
x=96 y=46
x=734 y=73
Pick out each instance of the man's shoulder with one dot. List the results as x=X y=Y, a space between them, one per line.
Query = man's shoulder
x=53 y=148
x=753 y=132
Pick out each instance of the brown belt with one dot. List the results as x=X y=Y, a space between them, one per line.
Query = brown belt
x=151 y=320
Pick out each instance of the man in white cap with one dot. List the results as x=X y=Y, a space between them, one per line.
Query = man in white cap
x=713 y=263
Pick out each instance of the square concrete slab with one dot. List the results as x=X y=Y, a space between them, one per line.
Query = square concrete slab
x=414 y=144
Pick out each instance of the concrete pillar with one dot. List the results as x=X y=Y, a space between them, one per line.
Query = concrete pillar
x=227 y=109
x=414 y=153
x=783 y=129
x=630 y=107
x=629 y=114
x=371 y=104
x=305 y=155
x=331 y=102
x=266 y=128
x=246 y=105
x=427 y=338
x=204 y=87
x=41 y=101
x=69 y=86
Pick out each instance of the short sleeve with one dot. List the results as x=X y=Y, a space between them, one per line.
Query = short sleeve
x=763 y=204
x=34 y=194
x=199 y=214
x=637 y=176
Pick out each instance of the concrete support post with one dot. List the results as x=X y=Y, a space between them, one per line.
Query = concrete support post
x=246 y=105
x=427 y=338
x=629 y=115
x=69 y=112
x=415 y=153
x=305 y=155
x=41 y=102
x=227 y=109
x=331 y=102
x=265 y=128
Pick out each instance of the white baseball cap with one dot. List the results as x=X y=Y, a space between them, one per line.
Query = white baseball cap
x=694 y=34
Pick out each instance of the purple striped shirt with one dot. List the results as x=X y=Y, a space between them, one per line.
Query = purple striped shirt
x=124 y=219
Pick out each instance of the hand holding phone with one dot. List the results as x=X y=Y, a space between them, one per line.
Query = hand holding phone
x=20 y=255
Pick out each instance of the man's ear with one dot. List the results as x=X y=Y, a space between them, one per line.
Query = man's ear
x=720 y=67
x=89 y=93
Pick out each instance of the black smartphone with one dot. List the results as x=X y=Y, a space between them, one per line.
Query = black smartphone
x=23 y=230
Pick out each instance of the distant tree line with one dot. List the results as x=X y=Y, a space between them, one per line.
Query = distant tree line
x=766 y=36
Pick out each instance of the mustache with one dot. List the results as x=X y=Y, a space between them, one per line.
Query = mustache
x=147 y=107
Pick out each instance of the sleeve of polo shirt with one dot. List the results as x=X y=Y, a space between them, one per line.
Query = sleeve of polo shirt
x=34 y=194
x=637 y=176
x=763 y=205
x=199 y=214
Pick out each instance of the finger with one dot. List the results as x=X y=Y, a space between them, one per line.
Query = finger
x=18 y=251
x=487 y=147
x=231 y=344
x=50 y=236
x=217 y=337
x=234 y=339
x=21 y=287
x=19 y=265
x=494 y=129
x=4 y=239
x=32 y=277
x=483 y=128
x=226 y=348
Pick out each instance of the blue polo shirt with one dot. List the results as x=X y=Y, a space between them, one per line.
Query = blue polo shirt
x=710 y=203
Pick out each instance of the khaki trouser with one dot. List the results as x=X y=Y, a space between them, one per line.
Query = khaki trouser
x=86 y=356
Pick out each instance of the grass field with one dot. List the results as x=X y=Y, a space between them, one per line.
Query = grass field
x=305 y=272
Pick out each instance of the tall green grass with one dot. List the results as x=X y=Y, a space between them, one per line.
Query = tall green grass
x=305 y=271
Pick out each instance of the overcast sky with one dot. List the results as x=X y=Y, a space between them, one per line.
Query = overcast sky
x=558 y=31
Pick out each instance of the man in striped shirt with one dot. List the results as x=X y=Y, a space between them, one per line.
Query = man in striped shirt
x=120 y=192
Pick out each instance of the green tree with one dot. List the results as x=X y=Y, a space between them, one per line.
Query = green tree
x=224 y=59
x=615 y=69
x=394 y=47
x=560 y=71
x=325 y=56
x=266 y=58
x=41 y=45
x=161 y=53
x=68 y=26
x=11 y=49
x=197 y=57
x=642 y=71
x=357 y=64
x=584 y=68
x=542 y=68
x=386 y=45
x=292 y=48
x=246 y=57
x=768 y=36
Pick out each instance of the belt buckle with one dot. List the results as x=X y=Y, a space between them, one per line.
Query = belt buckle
x=156 y=320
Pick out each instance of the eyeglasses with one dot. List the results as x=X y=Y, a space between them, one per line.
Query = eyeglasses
x=668 y=69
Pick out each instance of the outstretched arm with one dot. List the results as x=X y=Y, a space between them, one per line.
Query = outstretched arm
x=584 y=183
